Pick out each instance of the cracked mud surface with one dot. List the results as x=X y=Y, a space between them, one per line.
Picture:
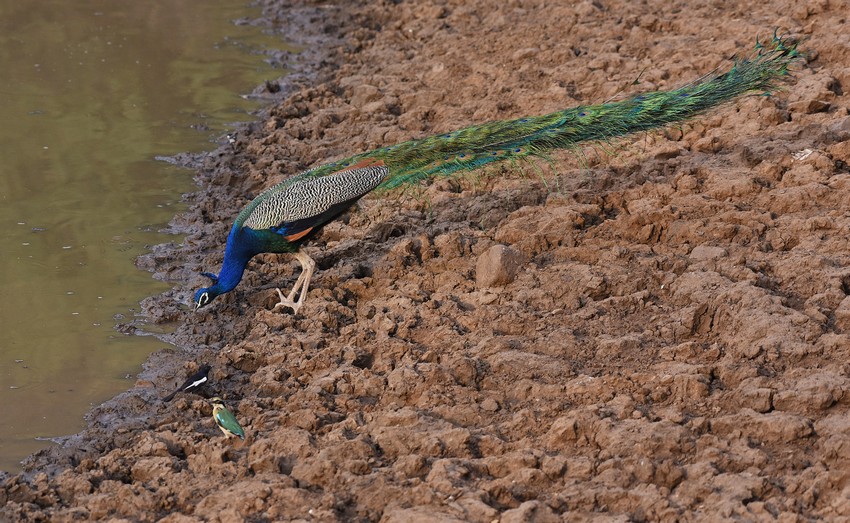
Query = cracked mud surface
x=661 y=333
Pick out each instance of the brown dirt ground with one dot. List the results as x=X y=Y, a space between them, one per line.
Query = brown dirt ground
x=657 y=334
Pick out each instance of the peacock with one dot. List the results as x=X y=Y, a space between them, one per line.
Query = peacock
x=285 y=216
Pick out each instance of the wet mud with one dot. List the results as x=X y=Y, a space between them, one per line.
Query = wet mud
x=654 y=331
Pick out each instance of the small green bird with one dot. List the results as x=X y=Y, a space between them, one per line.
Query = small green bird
x=225 y=419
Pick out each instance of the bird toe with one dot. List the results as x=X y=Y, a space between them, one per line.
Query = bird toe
x=286 y=302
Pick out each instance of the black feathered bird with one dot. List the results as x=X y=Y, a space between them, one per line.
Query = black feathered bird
x=193 y=382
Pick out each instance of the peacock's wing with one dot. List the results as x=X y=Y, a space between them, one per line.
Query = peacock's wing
x=294 y=207
x=227 y=420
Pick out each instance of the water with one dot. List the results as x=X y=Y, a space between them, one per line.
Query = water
x=92 y=91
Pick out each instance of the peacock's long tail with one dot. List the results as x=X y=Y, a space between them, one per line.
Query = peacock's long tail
x=475 y=146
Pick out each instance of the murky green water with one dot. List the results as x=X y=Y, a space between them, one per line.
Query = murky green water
x=92 y=91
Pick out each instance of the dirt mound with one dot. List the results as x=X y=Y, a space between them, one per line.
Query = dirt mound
x=658 y=334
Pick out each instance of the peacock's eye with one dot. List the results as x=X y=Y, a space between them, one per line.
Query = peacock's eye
x=203 y=299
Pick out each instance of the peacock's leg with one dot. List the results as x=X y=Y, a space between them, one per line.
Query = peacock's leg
x=301 y=284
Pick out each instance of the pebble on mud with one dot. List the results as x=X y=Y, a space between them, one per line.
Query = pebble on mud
x=499 y=265
x=706 y=252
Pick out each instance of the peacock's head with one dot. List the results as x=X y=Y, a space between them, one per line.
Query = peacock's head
x=204 y=297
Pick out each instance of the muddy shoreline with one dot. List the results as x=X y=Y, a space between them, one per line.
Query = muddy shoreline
x=669 y=342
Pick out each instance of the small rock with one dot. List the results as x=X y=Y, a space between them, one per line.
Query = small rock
x=377 y=106
x=758 y=399
x=363 y=94
x=499 y=265
x=490 y=405
x=809 y=106
x=705 y=252
x=554 y=466
x=152 y=470
x=412 y=465
x=523 y=54
x=842 y=314
x=841 y=129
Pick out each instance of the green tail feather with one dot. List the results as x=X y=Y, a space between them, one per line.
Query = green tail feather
x=475 y=146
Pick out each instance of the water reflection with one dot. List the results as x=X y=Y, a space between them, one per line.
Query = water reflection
x=92 y=91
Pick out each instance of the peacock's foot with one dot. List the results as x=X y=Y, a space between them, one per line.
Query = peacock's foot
x=301 y=285
x=287 y=301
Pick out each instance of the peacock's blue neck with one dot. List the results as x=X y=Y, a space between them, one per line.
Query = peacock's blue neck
x=241 y=247
x=231 y=273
